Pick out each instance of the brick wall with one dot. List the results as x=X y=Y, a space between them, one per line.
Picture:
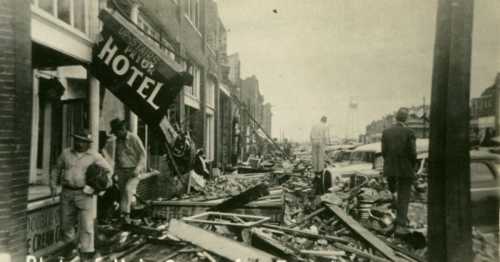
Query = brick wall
x=15 y=131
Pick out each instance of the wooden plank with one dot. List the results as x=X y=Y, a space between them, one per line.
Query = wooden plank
x=217 y=244
x=306 y=234
x=266 y=237
x=449 y=231
x=309 y=216
x=363 y=232
x=243 y=198
x=361 y=253
x=240 y=219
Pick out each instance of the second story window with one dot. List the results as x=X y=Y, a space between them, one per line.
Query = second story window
x=194 y=90
x=71 y=12
x=193 y=12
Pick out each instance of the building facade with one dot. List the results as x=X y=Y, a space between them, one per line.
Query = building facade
x=48 y=92
x=418 y=121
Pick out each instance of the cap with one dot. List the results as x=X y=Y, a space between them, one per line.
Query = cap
x=83 y=135
x=117 y=124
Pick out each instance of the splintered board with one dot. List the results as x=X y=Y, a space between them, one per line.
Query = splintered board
x=227 y=219
x=363 y=233
x=217 y=244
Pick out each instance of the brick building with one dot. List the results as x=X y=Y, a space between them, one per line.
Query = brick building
x=16 y=103
x=47 y=93
x=254 y=109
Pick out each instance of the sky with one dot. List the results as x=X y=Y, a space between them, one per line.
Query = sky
x=313 y=57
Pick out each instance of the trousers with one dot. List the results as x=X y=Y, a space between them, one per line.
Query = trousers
x=318 y=157
x=78 y=209
x=127 y=183
x=401 y=186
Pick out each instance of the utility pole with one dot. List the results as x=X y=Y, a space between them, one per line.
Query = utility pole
x=449 y=216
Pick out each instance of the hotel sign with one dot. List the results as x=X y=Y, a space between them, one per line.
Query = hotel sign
x=135 y=70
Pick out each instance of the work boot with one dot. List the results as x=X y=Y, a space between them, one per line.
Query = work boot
x=69 y=252
x=87 y=256
x=125 y=219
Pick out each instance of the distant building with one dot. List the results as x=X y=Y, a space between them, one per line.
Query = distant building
x=418 y=121
x=253 y=110
x=267 y=118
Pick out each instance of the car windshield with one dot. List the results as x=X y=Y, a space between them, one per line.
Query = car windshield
x=480 y=172
x=362 y=156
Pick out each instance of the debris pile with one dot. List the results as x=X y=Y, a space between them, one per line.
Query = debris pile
x=226 y=186
x=352 y=222
x=484 y=246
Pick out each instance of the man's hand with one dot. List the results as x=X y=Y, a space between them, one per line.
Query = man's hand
x=138 y=170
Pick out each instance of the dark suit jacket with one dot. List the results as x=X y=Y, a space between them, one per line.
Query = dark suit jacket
x=399 y=151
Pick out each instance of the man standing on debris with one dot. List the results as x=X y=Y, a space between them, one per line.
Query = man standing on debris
x=76 y=197
x=400 y=158
x=320 y=137
x=129 y=157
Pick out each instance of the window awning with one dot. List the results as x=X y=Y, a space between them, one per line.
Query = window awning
x=134 y=70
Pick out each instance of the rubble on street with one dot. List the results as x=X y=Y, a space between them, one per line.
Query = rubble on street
x=277 y=216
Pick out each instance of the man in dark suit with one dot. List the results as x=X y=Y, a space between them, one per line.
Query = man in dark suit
x=400 y=157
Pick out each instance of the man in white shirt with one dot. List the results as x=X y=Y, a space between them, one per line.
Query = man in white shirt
x=320 y=137
x=76 y=202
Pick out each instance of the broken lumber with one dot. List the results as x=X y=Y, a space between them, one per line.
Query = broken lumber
x=220 y=218
x=261 y=234
x=360 y=253
x=363 y=232
x=217 y=244
x=305 y=234
x=309 y=216
x=243 y=198
x=323 y=253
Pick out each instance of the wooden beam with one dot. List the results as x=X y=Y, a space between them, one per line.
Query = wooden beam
x=217 y=244
x=363 y=233
x=297 y=232
x=242 y=199
x=449 y=231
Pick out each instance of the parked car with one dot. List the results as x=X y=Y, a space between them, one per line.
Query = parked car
x=367 y=160
x=484 y=167
x=485 y=189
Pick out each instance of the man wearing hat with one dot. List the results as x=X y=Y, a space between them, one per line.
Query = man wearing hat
x=76 y=197
x=400 y=157
x=128 y=155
